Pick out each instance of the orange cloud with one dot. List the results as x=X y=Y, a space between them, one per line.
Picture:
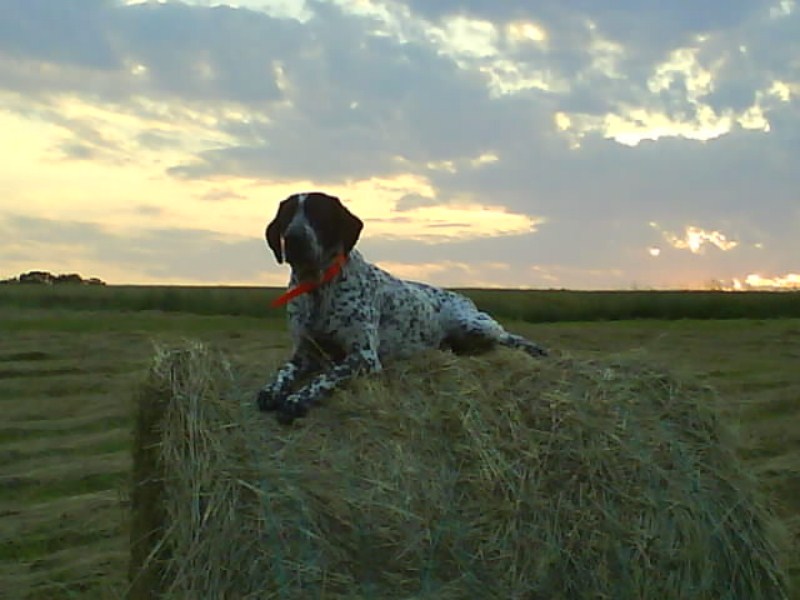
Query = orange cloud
x=790 y=281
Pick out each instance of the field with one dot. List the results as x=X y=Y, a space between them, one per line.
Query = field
x=67 y=378
x=532 y=306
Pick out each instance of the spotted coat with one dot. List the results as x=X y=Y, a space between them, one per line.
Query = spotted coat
x=364 y=318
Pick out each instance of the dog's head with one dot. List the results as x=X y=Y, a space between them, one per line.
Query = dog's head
x=309 y=230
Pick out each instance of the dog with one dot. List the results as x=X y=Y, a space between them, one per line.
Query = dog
x=348 y=317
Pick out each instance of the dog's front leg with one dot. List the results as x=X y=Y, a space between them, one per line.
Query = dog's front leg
x=359 y=362
x=273 y=395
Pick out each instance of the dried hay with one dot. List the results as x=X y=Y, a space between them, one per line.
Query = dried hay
x=490 y=477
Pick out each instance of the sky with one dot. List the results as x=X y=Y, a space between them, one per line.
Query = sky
x=591 y=144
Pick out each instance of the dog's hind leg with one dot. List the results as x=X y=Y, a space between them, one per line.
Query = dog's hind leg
x=478 y=332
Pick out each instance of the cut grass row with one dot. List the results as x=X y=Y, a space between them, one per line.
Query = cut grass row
x=67 y=381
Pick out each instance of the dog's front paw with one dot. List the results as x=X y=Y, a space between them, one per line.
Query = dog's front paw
x=291 y=409
x=539 y=351
x=268 y=400
x=534 y=349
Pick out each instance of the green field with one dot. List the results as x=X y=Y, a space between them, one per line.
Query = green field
x=67 y=378
x=525 y=305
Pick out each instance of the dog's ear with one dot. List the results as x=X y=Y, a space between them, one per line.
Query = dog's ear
x=277 y=227
x=349 y=227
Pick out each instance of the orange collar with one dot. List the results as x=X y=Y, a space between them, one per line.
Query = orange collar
x=303 y=288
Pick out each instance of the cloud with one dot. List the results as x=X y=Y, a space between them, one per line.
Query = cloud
x=545 y=134
x=136 y=255
x=790 y=281
x=414 y=201
x=64 y=33
x=696 y=240
x=149 y=210
x=649 y=26
x=164 y=49
x=219 y=194
x=453 y=273
x=444 y=223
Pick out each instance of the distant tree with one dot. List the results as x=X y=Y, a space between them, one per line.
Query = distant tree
x=73 y=278
x=37 y=277
x=47 y=278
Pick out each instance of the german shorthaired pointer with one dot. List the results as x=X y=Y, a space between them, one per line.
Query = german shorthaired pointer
x=347 y=316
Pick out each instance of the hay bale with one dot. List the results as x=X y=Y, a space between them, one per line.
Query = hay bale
x=487 y=477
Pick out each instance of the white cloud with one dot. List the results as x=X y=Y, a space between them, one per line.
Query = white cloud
x=468 y=38
x=783 y=8
x=606 y=55
x=526 y=32
x=282 y=9
x=696 y=240
x=683 y=67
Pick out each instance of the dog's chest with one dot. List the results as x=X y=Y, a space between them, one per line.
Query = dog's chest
x=328 y=317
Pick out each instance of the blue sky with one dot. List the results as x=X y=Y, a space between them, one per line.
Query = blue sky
x=588 y=144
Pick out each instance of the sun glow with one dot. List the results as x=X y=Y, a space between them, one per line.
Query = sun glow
x=754 y=281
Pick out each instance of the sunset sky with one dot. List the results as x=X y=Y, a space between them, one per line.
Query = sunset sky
x=589 y=144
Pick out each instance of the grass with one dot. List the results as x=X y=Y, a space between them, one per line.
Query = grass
x=519 y=305
x=65 y=433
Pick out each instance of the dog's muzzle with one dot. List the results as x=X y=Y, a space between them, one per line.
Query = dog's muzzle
x=298 y=249
x=302 y=253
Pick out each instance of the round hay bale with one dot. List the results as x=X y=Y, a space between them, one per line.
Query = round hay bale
x=496 y=476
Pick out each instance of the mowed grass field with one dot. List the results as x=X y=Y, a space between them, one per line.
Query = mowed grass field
x=68 y=377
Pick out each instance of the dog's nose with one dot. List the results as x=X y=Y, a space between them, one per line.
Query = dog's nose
x=296 y=246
